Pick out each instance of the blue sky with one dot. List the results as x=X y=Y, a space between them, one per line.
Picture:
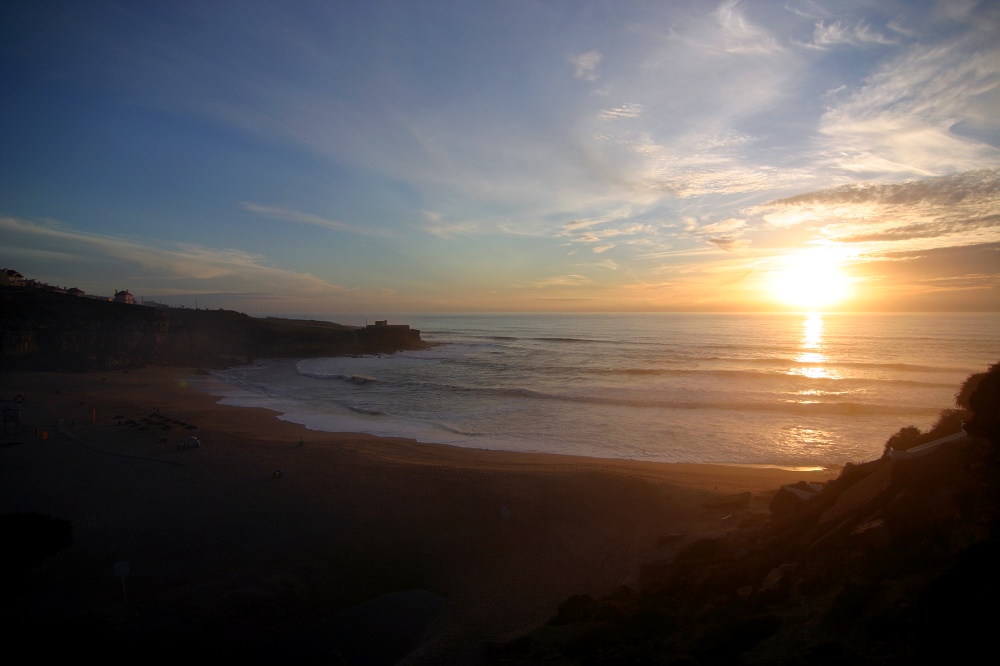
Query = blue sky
x=390 y=157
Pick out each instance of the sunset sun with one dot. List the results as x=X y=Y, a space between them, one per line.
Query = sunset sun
x=810 y=280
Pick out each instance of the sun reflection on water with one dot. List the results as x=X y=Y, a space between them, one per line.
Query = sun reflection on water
x=798 y=439
x=812 y=334
x=811 y=372
x=811 y=354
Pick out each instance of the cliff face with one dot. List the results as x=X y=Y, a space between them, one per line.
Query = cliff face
x=46 y=331
x=894 y=563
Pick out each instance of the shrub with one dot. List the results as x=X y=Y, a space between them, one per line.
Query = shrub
x=968 y=387
x=905 y=438
x=948 y=423
x=985 y=405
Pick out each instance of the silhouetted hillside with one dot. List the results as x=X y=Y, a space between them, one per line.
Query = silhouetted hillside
x=48 y=331
x=893 y=562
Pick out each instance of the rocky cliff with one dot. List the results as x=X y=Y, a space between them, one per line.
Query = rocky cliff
x=892 y=563
x=49 y=331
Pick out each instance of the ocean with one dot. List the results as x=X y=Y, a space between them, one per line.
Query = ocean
x=789 y=390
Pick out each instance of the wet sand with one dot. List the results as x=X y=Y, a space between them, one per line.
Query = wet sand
x=344 y=547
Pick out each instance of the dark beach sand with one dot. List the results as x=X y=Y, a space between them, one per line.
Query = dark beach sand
x=366 y=548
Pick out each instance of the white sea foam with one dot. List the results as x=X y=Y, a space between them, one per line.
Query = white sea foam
x=737 y=388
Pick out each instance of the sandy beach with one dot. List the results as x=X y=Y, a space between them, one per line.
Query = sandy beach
x=270 y=540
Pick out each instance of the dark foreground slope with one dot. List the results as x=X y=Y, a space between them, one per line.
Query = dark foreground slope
x=897 y=561
x=48 y=331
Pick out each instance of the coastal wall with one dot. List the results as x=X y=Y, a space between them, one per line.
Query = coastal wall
x=45 y=331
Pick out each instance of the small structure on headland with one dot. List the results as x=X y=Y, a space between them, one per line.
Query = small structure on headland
x=382 y=332
x=11 y=278
x=124 y=297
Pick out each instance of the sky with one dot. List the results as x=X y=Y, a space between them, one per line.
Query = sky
x=430 y=157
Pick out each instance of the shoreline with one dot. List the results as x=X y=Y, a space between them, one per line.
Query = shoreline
x=480 y=544
x=231 y=395
x=169 y=389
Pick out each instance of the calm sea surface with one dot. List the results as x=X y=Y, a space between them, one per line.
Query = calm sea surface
x=775 y=389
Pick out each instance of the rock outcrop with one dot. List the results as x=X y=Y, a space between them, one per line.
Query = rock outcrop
x=893 y=562
x=46 y=331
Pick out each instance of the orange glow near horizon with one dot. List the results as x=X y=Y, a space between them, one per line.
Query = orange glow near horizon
x=810 y=280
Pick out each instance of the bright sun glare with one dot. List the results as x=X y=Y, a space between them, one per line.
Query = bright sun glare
x=810 y=280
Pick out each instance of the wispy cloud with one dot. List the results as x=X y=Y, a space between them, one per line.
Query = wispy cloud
x=609 y=264
x=624 y=111
x=573 y=280
x=299 y=217
x=435 y=225
x=838 y=33
x=586 y=65
x=729 y=244
x=883 y=219
x=644 y=286
x=902 y=121
x=937 y=229
x=576 y=225
x=960 y=277
x=725 y=234
x=724 y=227
x=740 y=34
x=807 y=9
x=162 y=268
x=598 y=233
x=957 y=10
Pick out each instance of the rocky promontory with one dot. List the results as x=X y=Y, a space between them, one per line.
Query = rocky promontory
x=49 y=331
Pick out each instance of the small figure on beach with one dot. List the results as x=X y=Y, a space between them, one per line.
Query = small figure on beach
x=278 y=473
